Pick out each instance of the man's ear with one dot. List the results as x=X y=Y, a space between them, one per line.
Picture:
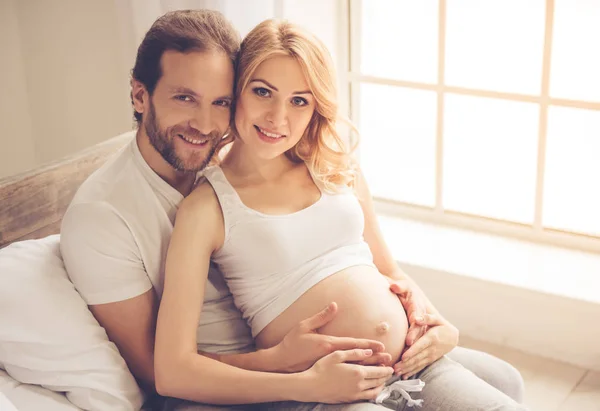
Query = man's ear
x=139 y=96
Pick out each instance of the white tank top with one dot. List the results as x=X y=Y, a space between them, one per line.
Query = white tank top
x=269 y=261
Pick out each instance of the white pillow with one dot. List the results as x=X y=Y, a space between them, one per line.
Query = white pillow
x=49 y=337
x=26 y=397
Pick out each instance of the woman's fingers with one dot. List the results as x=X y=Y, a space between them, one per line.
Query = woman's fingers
x=373 y=383
x=348 y=343
x=373 y=373
x=369 y=394
x=377 y=359
x=321 y=318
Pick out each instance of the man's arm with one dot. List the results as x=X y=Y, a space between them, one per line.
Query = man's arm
x=103 y=262
x=131 y=324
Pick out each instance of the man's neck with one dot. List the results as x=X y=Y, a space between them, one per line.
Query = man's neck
x=179 y=180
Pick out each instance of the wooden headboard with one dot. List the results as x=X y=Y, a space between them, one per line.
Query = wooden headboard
x=33 y=203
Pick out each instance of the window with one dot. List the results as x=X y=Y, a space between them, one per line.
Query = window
x=482 y=113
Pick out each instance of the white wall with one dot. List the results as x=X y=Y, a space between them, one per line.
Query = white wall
x=17 y=149
x=77 y=81
x=64 y=79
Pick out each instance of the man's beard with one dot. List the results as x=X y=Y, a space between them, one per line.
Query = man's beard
x=166 y=147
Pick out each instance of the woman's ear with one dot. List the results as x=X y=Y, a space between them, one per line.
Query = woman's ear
x=139 y=96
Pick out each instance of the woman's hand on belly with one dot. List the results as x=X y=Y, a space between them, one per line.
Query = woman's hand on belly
x=303 y=345
x=336 y=378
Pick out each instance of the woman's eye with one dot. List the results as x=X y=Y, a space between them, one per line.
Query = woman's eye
x=299 y=101
x=183 y=98
x=261 y=91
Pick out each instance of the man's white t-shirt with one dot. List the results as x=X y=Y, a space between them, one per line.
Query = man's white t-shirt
x=114 y=240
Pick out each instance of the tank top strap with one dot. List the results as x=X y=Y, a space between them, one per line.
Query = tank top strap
x=231 y=205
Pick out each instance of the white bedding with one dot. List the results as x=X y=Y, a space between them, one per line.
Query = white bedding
x=25 y=397
x=49 y=338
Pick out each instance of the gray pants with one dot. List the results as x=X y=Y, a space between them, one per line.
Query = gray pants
x=464 y=380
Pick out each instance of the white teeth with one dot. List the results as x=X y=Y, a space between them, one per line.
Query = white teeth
x=189 y=140
x=272 y=135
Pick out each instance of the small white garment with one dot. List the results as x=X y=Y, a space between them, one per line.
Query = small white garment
x=397 y=388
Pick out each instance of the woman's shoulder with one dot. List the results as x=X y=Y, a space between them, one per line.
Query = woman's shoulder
x=202 y=199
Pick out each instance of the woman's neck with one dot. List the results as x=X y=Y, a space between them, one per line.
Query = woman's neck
x=253 y=168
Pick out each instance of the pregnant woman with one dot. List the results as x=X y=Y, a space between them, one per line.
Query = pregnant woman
x=287 y=203
x=287 y=217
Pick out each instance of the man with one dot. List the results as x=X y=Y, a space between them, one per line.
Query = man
x=115 y=233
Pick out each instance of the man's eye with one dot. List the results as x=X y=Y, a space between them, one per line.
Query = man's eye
x=261 y=91
x=223 y=103
x=185 y=98
x=299 y=101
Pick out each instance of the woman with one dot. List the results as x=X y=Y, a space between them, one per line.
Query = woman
x=287 y=215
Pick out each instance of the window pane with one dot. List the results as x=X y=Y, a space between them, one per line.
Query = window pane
x=397 y=150
x=490 y=154
x=495 y=44
x=400 y=39
x=572 y=188
x=576 y=50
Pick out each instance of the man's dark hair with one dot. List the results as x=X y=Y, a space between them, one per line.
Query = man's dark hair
x=183 y=31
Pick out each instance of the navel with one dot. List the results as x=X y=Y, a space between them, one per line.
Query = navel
x=382 y=328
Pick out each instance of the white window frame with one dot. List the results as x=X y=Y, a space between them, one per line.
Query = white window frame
x=350 y=34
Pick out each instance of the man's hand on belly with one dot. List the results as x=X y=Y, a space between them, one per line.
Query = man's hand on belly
x=439 y=340
x=303 y=345
x=415 y=305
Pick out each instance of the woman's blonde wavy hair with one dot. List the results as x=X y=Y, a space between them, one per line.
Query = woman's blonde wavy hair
x=321 y=147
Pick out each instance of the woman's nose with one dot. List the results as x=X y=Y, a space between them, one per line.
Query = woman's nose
x=277 y=114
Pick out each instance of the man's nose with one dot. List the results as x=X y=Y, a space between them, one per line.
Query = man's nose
x=203 y=121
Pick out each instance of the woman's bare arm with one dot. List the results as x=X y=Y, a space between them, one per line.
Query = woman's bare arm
x=183 y=373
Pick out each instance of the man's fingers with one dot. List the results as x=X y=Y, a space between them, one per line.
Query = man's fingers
x=417 y=368
x=414 y=333
x=347 y=343
x=407 y=376
x=322 y=317
x=414 y=364
x=399 y=287
x=431 y=320
x=421 y=344
x=416 y=315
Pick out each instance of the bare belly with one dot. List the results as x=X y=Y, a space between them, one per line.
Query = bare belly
x=366 y=309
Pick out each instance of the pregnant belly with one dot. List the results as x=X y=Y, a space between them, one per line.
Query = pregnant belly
x=366 y=309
